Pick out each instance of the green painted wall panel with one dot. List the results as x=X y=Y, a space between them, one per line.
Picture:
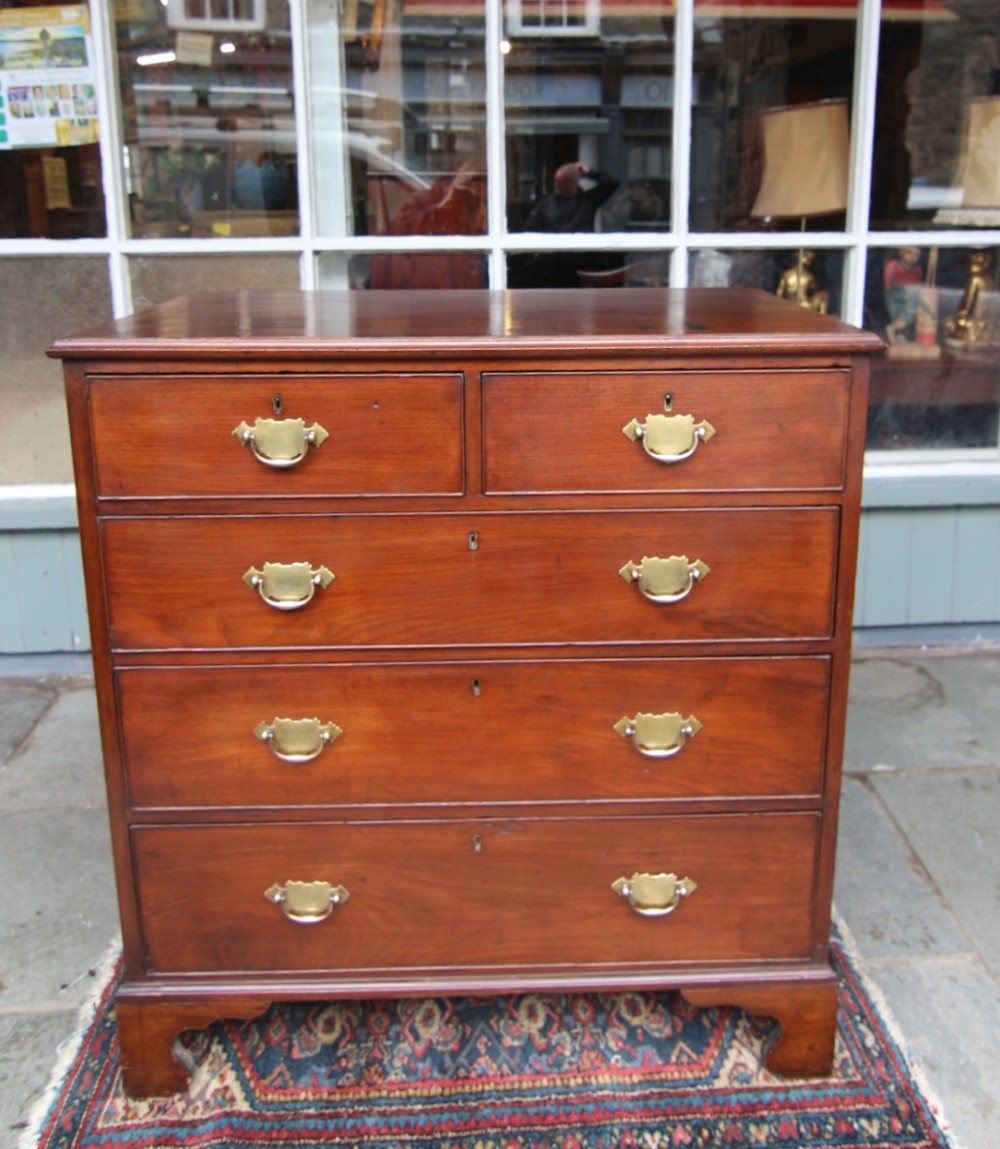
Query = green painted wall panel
x=976 y=569
x=43 y=609
x=928 y=567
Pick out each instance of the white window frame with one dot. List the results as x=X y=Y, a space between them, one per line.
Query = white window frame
x=680 y=243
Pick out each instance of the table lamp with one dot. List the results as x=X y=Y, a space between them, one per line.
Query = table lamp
x=976 y=322
x=806 y=150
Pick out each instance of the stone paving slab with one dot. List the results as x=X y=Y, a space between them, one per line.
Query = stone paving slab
x=953 y=820
x=21 y=706
x=29 y=1044
x=936 y=711
x=59 y=913
x=891 y=906
x=60 y=763
x=949 y=1012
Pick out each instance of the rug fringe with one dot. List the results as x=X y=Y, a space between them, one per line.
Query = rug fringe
x=104 y=971
x=878 y=998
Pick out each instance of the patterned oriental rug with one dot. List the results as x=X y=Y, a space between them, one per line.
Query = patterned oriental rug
x=545 y=1071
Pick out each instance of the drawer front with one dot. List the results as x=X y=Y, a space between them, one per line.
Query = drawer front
x=475 y=894
x=776 y=430
x=171 y=437
x=461 y=580
x=474 y=733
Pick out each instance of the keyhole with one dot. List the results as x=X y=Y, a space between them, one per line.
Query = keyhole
x=276 y=404
x=473 y=540
x=476 y=686
x=668 y=400
x=477 y=843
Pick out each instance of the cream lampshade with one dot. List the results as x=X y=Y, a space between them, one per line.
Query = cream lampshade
x=806 y=152
x=806 y=149
x=978 y=174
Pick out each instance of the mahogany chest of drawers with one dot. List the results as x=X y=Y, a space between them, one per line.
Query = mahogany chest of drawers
x=470 y=642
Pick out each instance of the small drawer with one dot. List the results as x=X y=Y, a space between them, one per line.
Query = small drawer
x=460 y=734
x=172 y=437
x=745 y=431
x=454 y=895
x=462 y=580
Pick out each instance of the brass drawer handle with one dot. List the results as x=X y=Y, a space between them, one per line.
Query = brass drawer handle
x=307 y=903
x=669 y=438
x=288 y=586
x=654 y=895
x=297 y=740
x=658 y=735
x=280 y=442
x=665 y=580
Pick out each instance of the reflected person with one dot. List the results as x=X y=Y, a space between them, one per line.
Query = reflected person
x=571 y=207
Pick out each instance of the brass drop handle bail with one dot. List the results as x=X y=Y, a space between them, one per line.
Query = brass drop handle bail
x=307 y=903
x=669 y=438
x=665 y=581
x=280 y=442
x=288 y=586
x=654 y=895
x=297 y=740
x=658 y=735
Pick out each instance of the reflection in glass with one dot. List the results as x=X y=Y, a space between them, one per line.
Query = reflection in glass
x=398 y=130
x=50 y=165
x=337 y=270
x=813 y=279
x=588 y=96
x=50 y=298
x=158 y=278
x=934 y=81
x=938 y=385
x=588 y=269
x=745 y=67
x=209 y=120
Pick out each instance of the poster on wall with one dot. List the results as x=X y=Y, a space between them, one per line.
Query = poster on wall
x=47 y=90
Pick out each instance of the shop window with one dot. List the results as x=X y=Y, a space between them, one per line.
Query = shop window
x=50 y=166
x=209 y=119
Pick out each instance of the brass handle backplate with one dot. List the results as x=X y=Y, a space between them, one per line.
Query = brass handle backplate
x=297 y=740
x=669 y=438
x=654 y=895
x=280 y=442
x=658 y=735
x=307 y=903
x=665 y=580
x=288 y=586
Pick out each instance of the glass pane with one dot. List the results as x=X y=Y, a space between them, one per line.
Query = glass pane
x=50 y=165
x=455 y=269
x=770 y=100
x=938 y=385
x=588 y=94
x=811 y=278
x=159 y=278
x=209 y=119
x=935 y=139
x=588 y=269
x=49 y=299
x=398 y=120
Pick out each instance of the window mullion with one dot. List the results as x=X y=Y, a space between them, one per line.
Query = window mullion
x=496 y=155
x=680 y=152
x=112 y=166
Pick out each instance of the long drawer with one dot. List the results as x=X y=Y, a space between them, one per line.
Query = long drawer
x=335 y=435
x=598 y=431
x=474 y=732
x=475 y=894
x=462 y=580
